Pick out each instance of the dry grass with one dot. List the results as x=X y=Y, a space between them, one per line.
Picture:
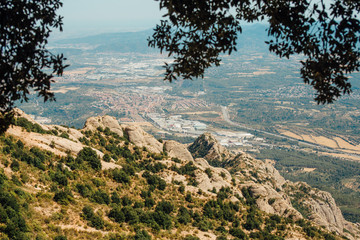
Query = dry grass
x=344 y=144
x=291 y=134
x=336 y=142
x=325 y=141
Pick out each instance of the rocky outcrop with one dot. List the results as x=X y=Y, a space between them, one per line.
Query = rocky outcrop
x=266 y=185
x=142 y=139
x=103 y=122
x=219 y=177
x=58 y=145
x=272 y=193
x=177 y=150
x=323 y=210
x=271 y=201
x=207 y=147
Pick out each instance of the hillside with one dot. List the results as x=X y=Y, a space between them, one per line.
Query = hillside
x=112 y=181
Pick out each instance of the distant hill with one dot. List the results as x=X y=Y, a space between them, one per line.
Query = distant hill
x=253 y=38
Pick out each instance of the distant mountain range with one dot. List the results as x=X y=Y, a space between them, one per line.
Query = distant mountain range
x=252 y=38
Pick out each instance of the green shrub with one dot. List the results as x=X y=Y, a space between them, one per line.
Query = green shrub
x=208 y=172
x=85 y=190
x=120 y=176
x=162 y=219
x=65 y=135
x=89 y=155
x=100 y=197
x=115 y=198
x=142 y=235
x=94 y=219
x=63 y=197
x=15 y=166
x=154 y=180
x=238 y=233
x=106 y=157
x=183 y=215
x=117 y=215
x=126 y=201
x=60 y=178
x=131 y=216
x=164 y=206
x=149 y=202
x=60 y=237
x=20 y=144
x=190 y=237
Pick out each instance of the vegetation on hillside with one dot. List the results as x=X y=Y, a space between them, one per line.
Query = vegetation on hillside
x=327 y=173
x=129 y=202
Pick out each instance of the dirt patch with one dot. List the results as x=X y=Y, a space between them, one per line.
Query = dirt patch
x=309 y=169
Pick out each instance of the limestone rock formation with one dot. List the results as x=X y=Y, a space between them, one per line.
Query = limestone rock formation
x=266 y=185
x=271 y=201
x=324 y=211
x=218 y=178
x=142 y=139
x=103 y=121
x=177 y=150
x=206 y=146
x=272 y=193
x=58 y=145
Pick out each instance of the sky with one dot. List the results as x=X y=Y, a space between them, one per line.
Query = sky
x=88 y=17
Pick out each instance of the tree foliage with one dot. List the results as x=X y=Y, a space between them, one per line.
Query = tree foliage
x=196 y=32
x=25 y=63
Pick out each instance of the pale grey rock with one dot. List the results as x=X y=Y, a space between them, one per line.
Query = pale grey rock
x=271 y=201
x=177 y=150
x=142 y=139
x=104 y=121
x=206 y=146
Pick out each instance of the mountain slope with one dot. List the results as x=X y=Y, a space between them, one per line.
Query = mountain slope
x=111 y=181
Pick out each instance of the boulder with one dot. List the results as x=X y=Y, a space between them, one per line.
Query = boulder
x=142 y=139
x=177 y=150
x=94 y=123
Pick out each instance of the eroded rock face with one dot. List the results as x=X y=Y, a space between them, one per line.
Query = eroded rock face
x=219 y=177
x=270 y=190
x=142 y=139
x=18 y=113
x=207 y=147
x=267 y=186
x=59 y=145
x=271 y=201
x=104 y=121
x=324 y=211
x=177 y=150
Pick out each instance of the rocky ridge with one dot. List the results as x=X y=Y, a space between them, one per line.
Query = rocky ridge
x=272 y=193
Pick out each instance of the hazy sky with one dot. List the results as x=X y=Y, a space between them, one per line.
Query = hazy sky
x=89 y=17
x=85 y=17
